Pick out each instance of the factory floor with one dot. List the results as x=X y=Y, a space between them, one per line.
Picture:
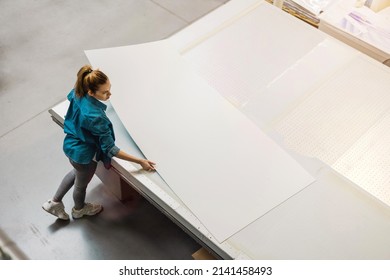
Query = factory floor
x=42 y=47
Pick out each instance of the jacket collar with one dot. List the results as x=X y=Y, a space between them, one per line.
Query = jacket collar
x=96 y=102
x=90 y=99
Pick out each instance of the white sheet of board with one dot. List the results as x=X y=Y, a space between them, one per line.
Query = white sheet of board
x=219 y=163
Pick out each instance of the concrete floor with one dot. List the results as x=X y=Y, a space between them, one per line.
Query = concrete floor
x=41 y=49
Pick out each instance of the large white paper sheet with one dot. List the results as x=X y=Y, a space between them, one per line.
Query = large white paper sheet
x=221 y=165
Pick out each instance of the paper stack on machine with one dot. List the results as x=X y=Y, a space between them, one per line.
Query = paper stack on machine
x=363 y=24
x=307 y=10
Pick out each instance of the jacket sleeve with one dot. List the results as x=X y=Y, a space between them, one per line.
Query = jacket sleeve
x=101 y=129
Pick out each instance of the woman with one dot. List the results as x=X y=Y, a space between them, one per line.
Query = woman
x=89 y=136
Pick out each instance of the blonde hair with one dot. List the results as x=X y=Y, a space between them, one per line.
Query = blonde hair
x=89 y=79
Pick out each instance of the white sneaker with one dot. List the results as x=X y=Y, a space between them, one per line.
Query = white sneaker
x=56 y=208
x=89 y=209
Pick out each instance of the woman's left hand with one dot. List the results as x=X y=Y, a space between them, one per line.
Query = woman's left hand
x=148 y=165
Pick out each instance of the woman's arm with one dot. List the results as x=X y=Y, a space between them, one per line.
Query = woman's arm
x=102 y=128
x=146 y=164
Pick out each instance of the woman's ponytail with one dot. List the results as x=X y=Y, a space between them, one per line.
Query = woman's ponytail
x=89 y=79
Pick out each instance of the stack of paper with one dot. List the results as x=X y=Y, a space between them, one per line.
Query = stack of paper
x=307 y=10
x=368 y=26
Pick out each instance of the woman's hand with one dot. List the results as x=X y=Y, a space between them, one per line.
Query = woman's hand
x=147 y=165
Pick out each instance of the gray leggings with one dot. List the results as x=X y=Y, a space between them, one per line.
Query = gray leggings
x=80 y=177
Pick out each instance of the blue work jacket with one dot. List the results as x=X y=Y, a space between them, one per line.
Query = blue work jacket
x=89 y=131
